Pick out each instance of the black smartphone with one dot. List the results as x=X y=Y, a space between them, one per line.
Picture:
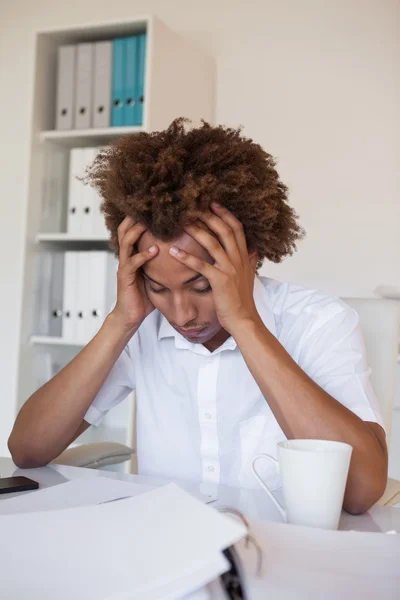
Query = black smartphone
x=17 y=484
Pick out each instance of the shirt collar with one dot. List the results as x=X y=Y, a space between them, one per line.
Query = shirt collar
x=264 y=309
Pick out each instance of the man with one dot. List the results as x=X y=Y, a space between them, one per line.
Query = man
x=225 y=363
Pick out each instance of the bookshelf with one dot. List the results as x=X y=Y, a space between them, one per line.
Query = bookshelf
x=179 y=81
x=94 y=136
x=69 y=237
x=47 y=340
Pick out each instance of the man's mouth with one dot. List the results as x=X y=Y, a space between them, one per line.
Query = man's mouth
x=191 y=332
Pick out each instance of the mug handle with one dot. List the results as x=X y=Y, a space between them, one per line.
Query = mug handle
x=264 y=485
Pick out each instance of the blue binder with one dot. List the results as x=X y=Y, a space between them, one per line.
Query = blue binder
x=118 y=82
x=131 y=81
x=141 y=77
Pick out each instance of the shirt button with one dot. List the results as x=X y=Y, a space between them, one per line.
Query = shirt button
x=207 y=415
x=211 y=468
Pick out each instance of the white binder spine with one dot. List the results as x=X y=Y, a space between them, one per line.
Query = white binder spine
x=88 y=195
x=101 y=108
x=99 y=225
x=65 y=103
x=103 y=287
x=56 y=294
x=83 y=297
x=42 y=293
x=54 y=184
x=84 y=74
x=75 y=191
x=69 y=319
x=110 y=292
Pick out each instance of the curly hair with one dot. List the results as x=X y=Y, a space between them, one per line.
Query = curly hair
x=165 y=179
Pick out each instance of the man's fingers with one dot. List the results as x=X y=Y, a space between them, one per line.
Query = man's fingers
x=139 y=259
x=123 y=227
x=224 y=233
x=234 y=223
x=130 y=237
x=210 y=243
x=194 y=263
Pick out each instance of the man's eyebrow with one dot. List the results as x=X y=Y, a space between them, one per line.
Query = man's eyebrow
x=184 y=283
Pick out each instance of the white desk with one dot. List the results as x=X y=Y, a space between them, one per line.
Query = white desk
x=294 y=565
x=252 y=503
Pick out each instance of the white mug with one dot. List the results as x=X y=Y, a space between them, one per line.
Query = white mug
x=313 y=475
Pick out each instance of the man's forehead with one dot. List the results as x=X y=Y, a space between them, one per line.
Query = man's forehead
x=184 y=242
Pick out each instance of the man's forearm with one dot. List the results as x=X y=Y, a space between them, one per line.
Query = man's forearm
x=304 y=410
x=50 y=418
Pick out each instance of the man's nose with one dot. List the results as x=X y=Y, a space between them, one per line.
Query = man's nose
x=184 y=313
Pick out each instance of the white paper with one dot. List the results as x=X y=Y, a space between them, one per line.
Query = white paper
x=135 y=546
x=78 y=492
x=310 y=564
x=85 y=491
x=196 y=580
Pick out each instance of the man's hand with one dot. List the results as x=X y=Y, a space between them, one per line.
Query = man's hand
x=133 y=304
x=232 y=275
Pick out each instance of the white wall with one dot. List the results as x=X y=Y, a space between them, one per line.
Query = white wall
x=315 y=82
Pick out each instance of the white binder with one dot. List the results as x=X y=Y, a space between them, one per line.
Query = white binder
x=42 y=292
x=69 y=318
x=84 y=73
x=99 y=225
x=75 y=190
x=103 y=287
x=101 y=107
x=53 y=188
x=56 y=294
x=88 y=195
x=65 y=104
x=83 y=297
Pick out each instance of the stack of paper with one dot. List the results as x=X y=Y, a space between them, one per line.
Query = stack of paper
x=310 y=563
x=85 y=491
x=161 y=544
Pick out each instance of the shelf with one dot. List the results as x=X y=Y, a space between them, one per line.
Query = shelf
x=170 y=57
x=97 y=32
x=69 y=237
x=73 y=137
x=43 y=340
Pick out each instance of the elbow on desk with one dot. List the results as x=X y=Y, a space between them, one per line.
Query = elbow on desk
x=25 y=457
x=360 y=502
x=356 y=508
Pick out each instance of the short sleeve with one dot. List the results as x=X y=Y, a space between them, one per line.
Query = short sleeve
x=334 y=356
x=119 y=383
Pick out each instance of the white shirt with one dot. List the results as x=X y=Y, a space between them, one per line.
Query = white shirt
x=201 y=415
